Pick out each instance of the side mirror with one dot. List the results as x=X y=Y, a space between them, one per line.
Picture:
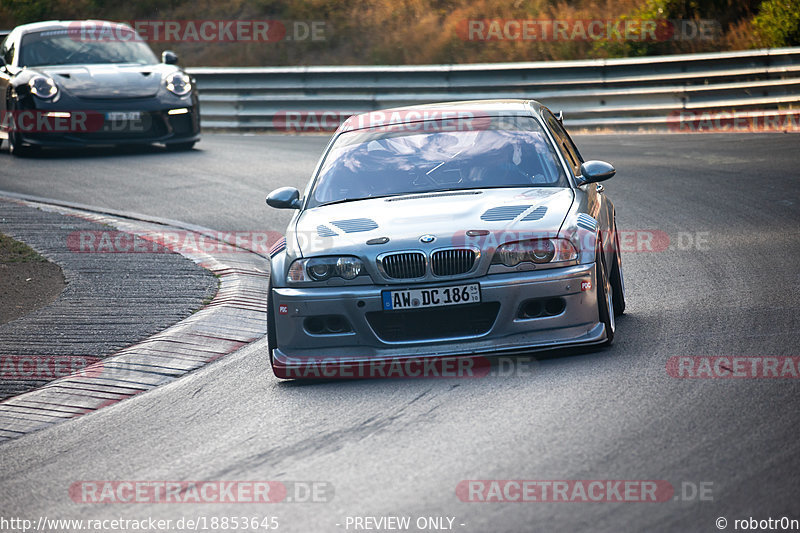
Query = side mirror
x=594 y=171
x=284 y=198
x=169 y=57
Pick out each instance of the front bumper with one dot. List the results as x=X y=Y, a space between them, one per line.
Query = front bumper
x=157 y=126
x=578 y=324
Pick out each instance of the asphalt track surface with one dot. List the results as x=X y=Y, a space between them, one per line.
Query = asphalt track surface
x=400 y=447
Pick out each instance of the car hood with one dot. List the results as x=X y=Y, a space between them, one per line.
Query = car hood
x=107 y=81
x=507 y=214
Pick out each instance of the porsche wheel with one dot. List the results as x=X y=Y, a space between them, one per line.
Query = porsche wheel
x=15 y=145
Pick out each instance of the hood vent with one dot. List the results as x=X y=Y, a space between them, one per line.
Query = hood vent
x=325 y=231
x=536 y=214
x=355 y=225
x=278 y=247
x=506 y=212
x=586 y=222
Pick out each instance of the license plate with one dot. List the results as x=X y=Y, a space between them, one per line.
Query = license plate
x=124 y=115
x=433 y=297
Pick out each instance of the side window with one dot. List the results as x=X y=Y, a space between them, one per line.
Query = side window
x=565 y=144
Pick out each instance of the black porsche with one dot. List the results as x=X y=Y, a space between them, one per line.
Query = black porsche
x=76 y=83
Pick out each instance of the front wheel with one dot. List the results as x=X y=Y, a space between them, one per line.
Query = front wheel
x=15 y=145
x=605 y=299
x=617 y=280
x=272 y=337
x=16 y=148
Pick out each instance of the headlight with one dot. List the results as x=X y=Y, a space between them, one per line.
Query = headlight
x=324 y=268
x=178 y=83
x=534 y=251
x=43 y=87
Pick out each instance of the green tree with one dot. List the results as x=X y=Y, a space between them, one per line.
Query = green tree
x=778 y=23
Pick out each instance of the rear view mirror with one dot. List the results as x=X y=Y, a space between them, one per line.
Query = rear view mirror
x=169 y=57
x=594 y=171
x=284 y=198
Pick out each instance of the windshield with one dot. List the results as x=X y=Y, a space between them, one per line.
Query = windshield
x=65 y=47
x=506 y=152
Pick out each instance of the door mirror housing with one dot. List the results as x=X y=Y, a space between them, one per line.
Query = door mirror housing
x=594 y=171
x=284 y=198
x=169 y=57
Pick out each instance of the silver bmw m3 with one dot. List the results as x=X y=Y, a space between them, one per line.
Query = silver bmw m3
x=444 y=231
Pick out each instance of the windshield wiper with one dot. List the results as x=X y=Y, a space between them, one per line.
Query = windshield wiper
x=340 y=201
x=344 y=200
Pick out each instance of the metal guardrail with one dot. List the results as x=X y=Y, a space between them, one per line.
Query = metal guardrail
x=607 y=93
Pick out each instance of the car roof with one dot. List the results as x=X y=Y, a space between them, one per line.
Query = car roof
x=408 y=114
x=62 y=25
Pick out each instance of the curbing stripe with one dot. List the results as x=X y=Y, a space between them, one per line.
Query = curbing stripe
x=235 y=317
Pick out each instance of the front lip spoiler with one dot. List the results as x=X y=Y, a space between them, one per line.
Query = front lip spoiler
x=284 y=366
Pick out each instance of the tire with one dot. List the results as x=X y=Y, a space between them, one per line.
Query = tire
x=617 y=279
x=272 y=336
x=180 y=147
x=16 y=148
x=605 y=300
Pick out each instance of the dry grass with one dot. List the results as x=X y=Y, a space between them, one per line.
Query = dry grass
x=12 y=251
